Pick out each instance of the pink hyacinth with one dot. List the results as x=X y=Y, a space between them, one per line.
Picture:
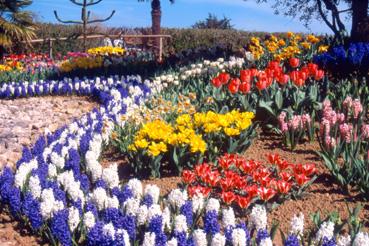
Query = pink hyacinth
x=357 y=108
x=341 y=118
x=329 y=142
x=365 y=132
x=347 y=103
x=306 y=119
x=295 y=122
x=282 y=122
x=346 y=132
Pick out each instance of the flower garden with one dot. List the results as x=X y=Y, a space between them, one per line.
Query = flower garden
x=270 y=148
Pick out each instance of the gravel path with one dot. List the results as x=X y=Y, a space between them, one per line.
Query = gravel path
x=22 y=121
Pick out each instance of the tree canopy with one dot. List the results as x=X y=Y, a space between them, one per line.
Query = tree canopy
x=15 y=23
x=331 y=12
x=212 y=22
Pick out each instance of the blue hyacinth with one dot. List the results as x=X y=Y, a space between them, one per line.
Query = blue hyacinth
x=211 y=224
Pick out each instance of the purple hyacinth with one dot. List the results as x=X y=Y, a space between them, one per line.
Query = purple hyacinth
x=60 y=228
x=186 y=210
x=211 y=224
x=292 y=240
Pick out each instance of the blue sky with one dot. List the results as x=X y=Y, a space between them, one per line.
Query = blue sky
x=245 y=15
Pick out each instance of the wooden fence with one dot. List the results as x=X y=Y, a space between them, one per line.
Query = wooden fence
x=132 y=36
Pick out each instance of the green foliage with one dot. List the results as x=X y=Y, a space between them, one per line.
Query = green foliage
x=16 y=24
x=212 y=22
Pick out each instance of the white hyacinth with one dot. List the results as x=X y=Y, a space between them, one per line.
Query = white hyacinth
x=142 y=215
x=266 y=242
x=23 y=171
x=177 y=198
x=361 y=239
x=131 y=206
x=228 y=217
x=258 y=217
x=110 y=176
x=153 y=191
x=100 y=198
x=239 y=237
x=149 y=239
x=125 y=236
x=297 y=224
x=135 y=186
x=180 y=223
x=213 y=205
x=34 y=186
x=218 y=240
x=89 y=220
x=326 y=230
x=154 y=210
x=73 y=218
x=166 y=219
x=198 y=203
x=344 y=241
x=109 y=230
x=172 y=242
x=199 y=238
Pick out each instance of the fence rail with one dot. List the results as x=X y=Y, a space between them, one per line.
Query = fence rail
x=122 y=36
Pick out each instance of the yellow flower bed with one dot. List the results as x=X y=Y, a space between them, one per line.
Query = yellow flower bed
x=282 y=49
x=106 y=51
x=81 y=63
x=158 y=136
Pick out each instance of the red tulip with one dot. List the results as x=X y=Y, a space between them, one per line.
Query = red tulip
x=224 y=78
x=301 y=179
x=243 y=202
x=251 y=190
x=245 y=76
x=319 y=74
x=273 y=158
x=299 y=82
x=312 y=68
x=188 y=176
x=285 y=176
x=283 y=186
x=274 y=65
x=197 y=190
x=254 y=72
x=233 y=86
x=294 y=62
x=226 y=184
x=294 y=75
x=228 y=197
x=282 y=164
x=266 y=193
x=202 y=170
x=309 y=169
x=247 y=166
x=245 y=87
x=283 y=79
x=216 y=82
x=261 y=84
x=212 y=178
x=224 y=163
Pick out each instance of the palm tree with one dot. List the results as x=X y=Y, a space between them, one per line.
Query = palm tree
x=16 y=25
x=156 y=17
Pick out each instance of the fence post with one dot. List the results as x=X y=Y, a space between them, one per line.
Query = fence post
x=160 y=48
x=51 y=48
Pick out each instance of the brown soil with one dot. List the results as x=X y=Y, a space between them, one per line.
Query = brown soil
x=323 y=196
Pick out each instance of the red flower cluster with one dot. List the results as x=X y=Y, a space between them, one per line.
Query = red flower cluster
x=264 y=79
x=241 y=181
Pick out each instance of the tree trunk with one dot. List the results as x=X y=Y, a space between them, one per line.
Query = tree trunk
x=359 y=30
x=156 y=19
